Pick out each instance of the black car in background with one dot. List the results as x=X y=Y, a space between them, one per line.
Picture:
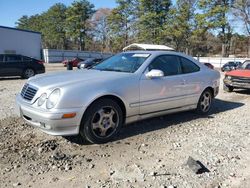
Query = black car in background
x=231 y=65
x=19 y=65
x=88 y=63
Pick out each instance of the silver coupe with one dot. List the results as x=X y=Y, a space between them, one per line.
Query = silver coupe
x=130 y=86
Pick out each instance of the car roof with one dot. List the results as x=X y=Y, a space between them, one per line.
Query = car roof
x=156 y=52
x=15 y=54
x=146 y=47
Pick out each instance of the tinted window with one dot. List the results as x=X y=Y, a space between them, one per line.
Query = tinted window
x=246 y=65
x=123 y=62
x=13 y=58
x=168 y=64
x=188 y=66
x=231 y=63
x=1 y=58
x=26 y=58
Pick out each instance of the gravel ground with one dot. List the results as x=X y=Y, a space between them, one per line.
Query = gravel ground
x=151 y=153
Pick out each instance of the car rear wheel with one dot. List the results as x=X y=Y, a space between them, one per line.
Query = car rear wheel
x=102 y=121
x=27 y=73
x=205 y=102
x=228 y=88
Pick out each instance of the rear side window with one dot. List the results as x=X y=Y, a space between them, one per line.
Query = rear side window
x=168 y=64
x=26 y=59
x=188 y=66
x=13 y=58
x=1 y=58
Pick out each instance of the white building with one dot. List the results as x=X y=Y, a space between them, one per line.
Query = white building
x=19 y=41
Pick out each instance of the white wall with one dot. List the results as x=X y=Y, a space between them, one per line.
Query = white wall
x=20 y=42
x=56 y=56
x=218 y=62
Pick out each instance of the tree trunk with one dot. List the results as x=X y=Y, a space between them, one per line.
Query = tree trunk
x=248 y=51
x=223 y=50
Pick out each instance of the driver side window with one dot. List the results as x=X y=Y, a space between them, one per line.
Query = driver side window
x=168 y=64
x=1 y=58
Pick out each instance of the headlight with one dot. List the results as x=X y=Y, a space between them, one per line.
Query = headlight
x=229 y=77
x=42 y=99
x=53 y=99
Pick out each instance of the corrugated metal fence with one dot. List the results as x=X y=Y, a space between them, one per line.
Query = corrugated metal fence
x=55 y=56
x=218 y=62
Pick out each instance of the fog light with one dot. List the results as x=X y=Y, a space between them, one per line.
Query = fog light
x=70 y=115
x=43 y=125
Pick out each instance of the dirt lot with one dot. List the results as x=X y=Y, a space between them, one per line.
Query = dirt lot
x=151 y=153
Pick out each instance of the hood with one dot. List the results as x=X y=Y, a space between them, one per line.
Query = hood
x=59 y=79
x=239 y=73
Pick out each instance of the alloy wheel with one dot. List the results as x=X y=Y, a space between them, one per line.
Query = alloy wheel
x=105 y=122
x=29 y=73
x=206 y=101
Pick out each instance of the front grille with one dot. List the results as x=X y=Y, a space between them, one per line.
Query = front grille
x=28 y=92
x=238 y=79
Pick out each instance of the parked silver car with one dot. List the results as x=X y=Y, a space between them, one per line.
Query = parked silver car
x=125 y=88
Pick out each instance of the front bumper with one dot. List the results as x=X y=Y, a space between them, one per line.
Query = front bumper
x=50 y=122
x=216 y=91
x=240 y=85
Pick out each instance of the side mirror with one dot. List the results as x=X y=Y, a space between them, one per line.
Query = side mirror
x=154 y=73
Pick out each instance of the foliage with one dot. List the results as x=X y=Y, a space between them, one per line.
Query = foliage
x=153 y=15
x=77 y=21
x=120 y=23
x=197 y=27
x=178 y=28
x=214 y=16
x=100 y=28
x=54 y=22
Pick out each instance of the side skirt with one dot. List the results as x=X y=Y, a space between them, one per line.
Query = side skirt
x=139 y=117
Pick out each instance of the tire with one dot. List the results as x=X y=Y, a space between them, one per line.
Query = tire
x=102 y=121
x=28 y=72
x=228 y=88
x=205 y=102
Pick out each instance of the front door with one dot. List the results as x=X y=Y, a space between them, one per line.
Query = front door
x=164 y=93
x=13 y=65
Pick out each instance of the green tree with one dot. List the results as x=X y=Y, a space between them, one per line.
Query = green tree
x=23 y=22
x=78 y=26
x=178 y=28
x=34 y=22
x=120 y=23
x=54 y=27
x=152 y=14
x=214 y=15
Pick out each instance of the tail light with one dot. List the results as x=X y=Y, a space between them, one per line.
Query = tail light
x=41 y=62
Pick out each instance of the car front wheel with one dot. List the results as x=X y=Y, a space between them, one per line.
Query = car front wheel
x=102 y=121
x=205 y=102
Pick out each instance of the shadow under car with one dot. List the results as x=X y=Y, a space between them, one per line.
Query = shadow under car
x=165 y=121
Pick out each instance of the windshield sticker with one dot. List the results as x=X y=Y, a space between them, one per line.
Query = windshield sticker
x=140 y=55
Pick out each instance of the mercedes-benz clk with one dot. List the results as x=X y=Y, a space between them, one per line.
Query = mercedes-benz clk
x=94 y=103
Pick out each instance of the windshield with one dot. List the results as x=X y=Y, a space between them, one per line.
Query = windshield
x=123 y=62
x=245 y=65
